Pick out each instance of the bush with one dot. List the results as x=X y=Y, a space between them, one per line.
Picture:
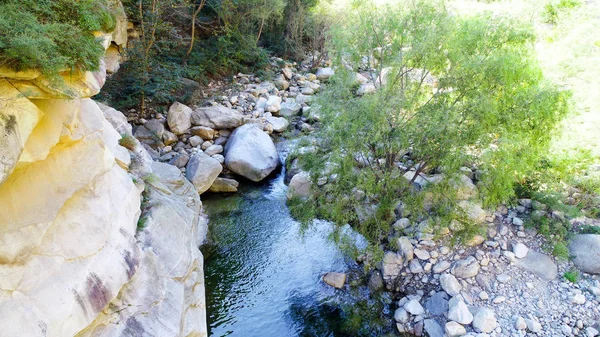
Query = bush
x=53 y=36
x=452 y=92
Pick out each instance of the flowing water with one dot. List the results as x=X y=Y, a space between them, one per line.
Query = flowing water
x=263 y=275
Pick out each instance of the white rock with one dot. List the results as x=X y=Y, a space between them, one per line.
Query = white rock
x=414 y=307
x=520 y=250
x=421 y=254
x=401 y=315
x=324 y=73
x=454 y=329
x=202 y=170
x=178 y=118
x=250 y=152
x=217 y=117
x=520 y=323
x=273 y=104
x=578 y=299
x=300 y=186
x=533 y=325
x=279 y=123
x=460 y=313
x=450 y=284
x=484 y=321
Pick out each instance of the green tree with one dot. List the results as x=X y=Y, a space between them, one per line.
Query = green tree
x=451 y=91
x=53 y=36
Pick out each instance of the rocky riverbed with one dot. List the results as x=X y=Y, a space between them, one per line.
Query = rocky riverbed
x=501 y=283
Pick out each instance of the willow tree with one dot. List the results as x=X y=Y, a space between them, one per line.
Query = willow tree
x=451 y=91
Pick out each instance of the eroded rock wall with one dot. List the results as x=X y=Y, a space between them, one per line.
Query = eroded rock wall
x=78 y=257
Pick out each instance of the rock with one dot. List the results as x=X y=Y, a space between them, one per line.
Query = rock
x=414 y=308
x=465 y=189
x=538 y=264
x=359 y=78
x=437 y=304
x=578 y=299
x=406 y=248
x=533 y=325
x=441 y=266
x=217 y=117
x=421 y=254
x=224 y=185
x=195 y=141
x=401 y=315
x=520 y=250
x=585 y=249
x=180 y=160
x=459 y=312
x=484 y=296
x=392 y=265
x=415 y=267
x=366 y=88
x=454 y=329
x=433 y=328
x=279 y=123
x=290 y=109
x=178 y=118
x=300 y=186
x=336 y=280
x=484 y=321
x=473 y=211
x=375 y=281
x=591 y=332
x=213 y=149
x=476 y=240
x=250 y=152
x=282 y=84
x=467 y=268
x=520 y=323
x=566 y=330
x=287 y=73
x=202 y=170
x=450 y=284
x=273 y=104
x=203 y=132
x=324 y=73
x=503 y=278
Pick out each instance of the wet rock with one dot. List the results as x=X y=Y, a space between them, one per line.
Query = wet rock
x=224 y=185
x=336 y=280
x=300 y=186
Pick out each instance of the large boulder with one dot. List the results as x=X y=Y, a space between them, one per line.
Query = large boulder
x=217 y=117
x=202 y=170
x=250 y=152
x=178 y=118
x=585 y=249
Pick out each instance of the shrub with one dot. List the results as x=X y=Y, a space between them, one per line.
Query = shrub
x=452 y=92
x=53 y=36
x=572 y=275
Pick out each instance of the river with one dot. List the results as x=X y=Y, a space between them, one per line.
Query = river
x=263 y=273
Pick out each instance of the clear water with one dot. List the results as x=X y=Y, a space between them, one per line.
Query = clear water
x=263 y=273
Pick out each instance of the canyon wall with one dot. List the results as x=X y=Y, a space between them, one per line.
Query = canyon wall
x=95 y=239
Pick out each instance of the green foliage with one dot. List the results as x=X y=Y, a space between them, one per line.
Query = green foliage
x=553 y=10
x=561 y=251
x=455 y=91
x=52 y=36
x=589 y=229
x=128 y=142
x=572 y=275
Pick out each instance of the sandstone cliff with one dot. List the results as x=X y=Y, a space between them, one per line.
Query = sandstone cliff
x=78 y=255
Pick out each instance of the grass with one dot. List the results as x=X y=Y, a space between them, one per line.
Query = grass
x=572 y=275
x=128 y=142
